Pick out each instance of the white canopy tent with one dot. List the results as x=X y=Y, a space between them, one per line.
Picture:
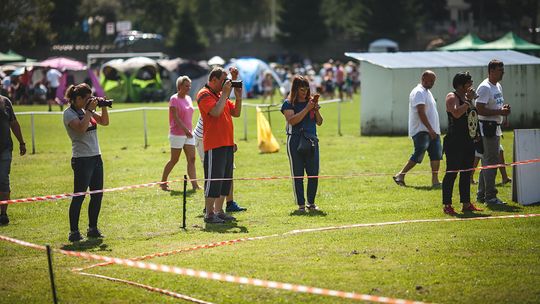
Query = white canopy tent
x=388 y=78
x=383 y=46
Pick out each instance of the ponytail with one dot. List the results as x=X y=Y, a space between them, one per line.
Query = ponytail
x=75 y=91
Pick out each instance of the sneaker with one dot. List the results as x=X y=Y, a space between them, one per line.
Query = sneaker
x=232 y=206
x=94 y=233
x=312 y=207
x=225 y=217
x=75 y=236
x=213 y=219
x=470 y=207
x=301 y=209
x=4 y=219
x=495 y=201
x=449 y=210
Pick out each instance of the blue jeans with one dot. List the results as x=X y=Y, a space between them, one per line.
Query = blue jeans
x=422 y=143
x=88 y=173
x=300 y=163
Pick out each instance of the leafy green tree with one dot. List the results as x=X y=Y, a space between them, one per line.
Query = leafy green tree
x=301 y=23
x=394 y=19
x=150 y=16
x=100 y=12
x=344 y=17
x=25 y=24
x=506 y=14
x=188 y=37
x=65 y=21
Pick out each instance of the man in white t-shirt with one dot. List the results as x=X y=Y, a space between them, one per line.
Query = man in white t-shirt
x=424 y=128
x=491 y=110
x=53 y=82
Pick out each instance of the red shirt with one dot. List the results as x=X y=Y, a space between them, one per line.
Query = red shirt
x=217 y=131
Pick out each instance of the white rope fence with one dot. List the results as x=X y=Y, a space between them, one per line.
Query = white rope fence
x=144 y=109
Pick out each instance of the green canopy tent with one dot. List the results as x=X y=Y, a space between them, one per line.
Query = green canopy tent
x=11 y=56
x=114 y=80
x=467 y=43
x=510 y=41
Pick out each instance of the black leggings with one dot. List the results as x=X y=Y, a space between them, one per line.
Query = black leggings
x=88 y=172
x=459 y=155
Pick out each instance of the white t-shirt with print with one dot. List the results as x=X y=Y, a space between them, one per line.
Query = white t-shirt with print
x=420 y=95
x=491 y=95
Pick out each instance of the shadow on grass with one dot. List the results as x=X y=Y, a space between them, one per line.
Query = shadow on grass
x=189 y=193
x=424 y=188
x=504 y=208
x=87 y=244
x=308 y=213
x=231 y=227
x=472 y=215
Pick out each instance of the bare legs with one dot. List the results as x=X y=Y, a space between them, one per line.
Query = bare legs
x=189 y=150
x=435 y=164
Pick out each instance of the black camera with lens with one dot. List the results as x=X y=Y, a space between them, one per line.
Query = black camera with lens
x=102 y=101
x=235 y=83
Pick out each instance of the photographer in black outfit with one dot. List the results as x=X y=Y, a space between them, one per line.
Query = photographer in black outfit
x=459 y=142
x=81 y=120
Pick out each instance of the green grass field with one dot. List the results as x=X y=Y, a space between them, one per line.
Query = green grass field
x=489 y=261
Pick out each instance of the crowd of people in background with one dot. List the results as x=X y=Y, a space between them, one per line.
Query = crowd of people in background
x=35 y=86
x=324 y=79
x=331 y=79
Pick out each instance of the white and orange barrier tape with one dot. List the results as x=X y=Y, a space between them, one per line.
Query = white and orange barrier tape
x=244 y=280
x=298 y=231
x=147 y=287
x=164 y=254
x=68 y=195
x=221 y=277
x=412 y=221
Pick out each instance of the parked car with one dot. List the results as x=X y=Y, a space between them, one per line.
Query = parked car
x=138 y=41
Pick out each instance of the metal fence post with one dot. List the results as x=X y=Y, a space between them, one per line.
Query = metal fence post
x=245 y=122
x=51 y=273
x=33 y=134
x=145 y=130
x=339 y=118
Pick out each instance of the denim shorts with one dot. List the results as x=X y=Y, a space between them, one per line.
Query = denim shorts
x=5 y=166
x=422 y=143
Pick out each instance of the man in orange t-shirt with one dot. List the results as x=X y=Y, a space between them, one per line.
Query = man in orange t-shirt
x=218 y=140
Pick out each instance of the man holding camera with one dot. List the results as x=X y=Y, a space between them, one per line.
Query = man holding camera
x=491 y=110
x=218 y=139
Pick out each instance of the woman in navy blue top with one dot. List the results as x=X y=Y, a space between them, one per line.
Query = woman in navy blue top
x=301 y=110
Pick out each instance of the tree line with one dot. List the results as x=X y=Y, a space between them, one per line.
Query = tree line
x=189 y=26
